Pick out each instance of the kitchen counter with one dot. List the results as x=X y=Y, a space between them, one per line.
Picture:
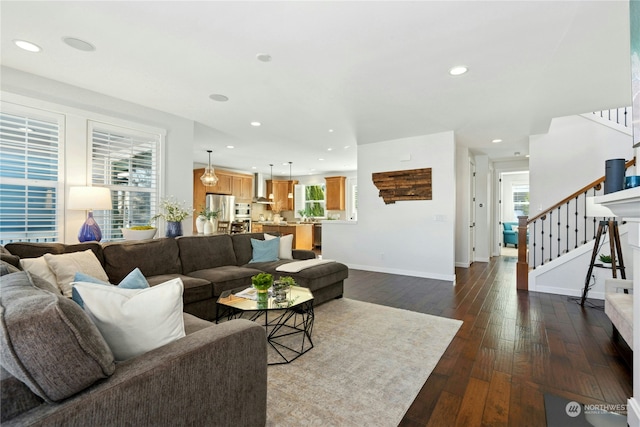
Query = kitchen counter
x=302 y=232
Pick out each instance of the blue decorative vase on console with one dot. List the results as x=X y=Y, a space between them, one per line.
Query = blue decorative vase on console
x=174 y=229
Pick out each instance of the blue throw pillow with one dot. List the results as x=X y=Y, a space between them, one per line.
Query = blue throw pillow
x=265 y=250
x=133 y=280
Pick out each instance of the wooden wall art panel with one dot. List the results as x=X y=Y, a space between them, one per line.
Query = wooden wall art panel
x=413 y=184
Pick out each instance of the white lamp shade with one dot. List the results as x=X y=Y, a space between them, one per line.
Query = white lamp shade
x=597 y=210
x=88 y=198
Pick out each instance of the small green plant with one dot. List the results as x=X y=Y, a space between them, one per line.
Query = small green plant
x=288 y=281
x=207 y=213
x=262 y=281
x=605 y=258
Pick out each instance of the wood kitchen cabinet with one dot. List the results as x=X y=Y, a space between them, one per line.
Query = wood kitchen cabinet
x=336 y=189
x=242 y=188
x=281 y=190
x=302 y=233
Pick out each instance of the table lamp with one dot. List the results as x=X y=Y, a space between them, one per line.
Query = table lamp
x=87 y=199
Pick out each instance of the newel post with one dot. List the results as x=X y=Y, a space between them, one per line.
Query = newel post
x=522 y=267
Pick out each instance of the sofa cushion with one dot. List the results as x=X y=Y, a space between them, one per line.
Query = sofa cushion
x=47 y=341
x=265 y=250
x=7 y=268
x=135 y=321
x=34 y=250
x=194 y=289
x=65 y=267
x=8 y=257
x=134 y=280
x=285 y=245
x=203 y=252
x=153 y=257
x=40 y=268
x=16 y=397
x=242 y=246
x=227 y=277
x=619 y=308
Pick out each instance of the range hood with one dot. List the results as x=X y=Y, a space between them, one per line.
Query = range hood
x=259 y=194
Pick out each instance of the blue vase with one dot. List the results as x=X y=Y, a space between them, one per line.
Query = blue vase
x=90 y=231
x=174 y=229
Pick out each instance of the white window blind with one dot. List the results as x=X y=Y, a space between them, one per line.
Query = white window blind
x=30 y=161
x=127 y=162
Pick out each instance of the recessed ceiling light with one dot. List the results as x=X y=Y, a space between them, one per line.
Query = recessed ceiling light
x=347 y=146
x=79 y=44
x=526 y=155
x=256 y=124
x=329 y=149
x=321 y=159
x=458 y=70
x=28 y=46
x=218 y=97
x=495 y=141
x=230 y=146
x=517 y=153
x=330 y=130
x=254 y=167
x=264 y=57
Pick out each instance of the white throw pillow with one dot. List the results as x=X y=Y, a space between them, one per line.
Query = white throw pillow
x=65 y=267
x=135 y=321
x=40 y=268
x=286 y=245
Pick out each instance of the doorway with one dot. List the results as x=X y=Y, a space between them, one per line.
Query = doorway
x=513 y=202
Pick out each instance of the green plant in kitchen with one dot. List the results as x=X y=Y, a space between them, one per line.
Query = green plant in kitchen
x=606 y=259
x=207 y=213
x=262 y=281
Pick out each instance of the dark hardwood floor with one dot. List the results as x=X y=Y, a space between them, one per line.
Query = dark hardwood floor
x=513 y=347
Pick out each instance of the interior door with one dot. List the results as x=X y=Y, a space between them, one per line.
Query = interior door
x=472 y=213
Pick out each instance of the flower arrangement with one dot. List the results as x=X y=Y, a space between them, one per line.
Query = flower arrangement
x=172 y=210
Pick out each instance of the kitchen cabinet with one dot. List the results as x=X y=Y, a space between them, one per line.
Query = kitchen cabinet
x=302 y=233
x=257 y=227
x=336 y=189
x=242 y=188
x=280 y=190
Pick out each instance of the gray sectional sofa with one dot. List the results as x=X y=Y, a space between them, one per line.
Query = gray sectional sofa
x=57 y=369
x=207 y=265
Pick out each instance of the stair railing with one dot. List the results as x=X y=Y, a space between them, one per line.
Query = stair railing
x=557 y=230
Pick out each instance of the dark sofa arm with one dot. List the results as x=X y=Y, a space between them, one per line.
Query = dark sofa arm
x=303 y=254
x=215 y=376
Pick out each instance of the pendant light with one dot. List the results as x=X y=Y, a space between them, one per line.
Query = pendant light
x=209 y=177
x=290 y=195
x=271 y=194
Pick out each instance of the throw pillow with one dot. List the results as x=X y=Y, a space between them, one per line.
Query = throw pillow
x=135 y=321
x=48 y=342
x=265 y=250
x=286 y=245
x=133 y=280
x=39 y=267
x=65 y=267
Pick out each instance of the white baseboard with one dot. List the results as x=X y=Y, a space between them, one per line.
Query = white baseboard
x=567 y=291
x=424 y=274
x=463 y=264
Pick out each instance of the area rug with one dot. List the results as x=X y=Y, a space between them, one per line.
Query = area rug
x=367 y=366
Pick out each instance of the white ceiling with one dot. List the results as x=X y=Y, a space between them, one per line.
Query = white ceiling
x=371 y=71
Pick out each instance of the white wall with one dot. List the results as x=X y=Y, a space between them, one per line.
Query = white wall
x=415 y=238
x=78 y=106
x=571 y=155
x=509 y=180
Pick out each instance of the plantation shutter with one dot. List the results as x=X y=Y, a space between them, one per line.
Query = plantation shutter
x=125 y=161
x=30 y=161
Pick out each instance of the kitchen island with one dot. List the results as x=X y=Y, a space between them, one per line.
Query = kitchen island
x=302 y=233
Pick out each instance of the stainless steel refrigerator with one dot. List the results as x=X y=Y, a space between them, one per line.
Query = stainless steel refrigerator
x=225 y=205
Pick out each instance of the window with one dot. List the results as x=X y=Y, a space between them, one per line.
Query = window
x=126 y=161
x=310 y=200
x=30 y=161
x=520 y=199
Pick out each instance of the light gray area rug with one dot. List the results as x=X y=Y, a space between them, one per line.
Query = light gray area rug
x=367 y=366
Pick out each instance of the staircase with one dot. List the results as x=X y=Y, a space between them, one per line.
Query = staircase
x=557 y=230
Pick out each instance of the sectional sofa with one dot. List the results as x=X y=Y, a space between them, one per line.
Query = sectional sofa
x=207 y=265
